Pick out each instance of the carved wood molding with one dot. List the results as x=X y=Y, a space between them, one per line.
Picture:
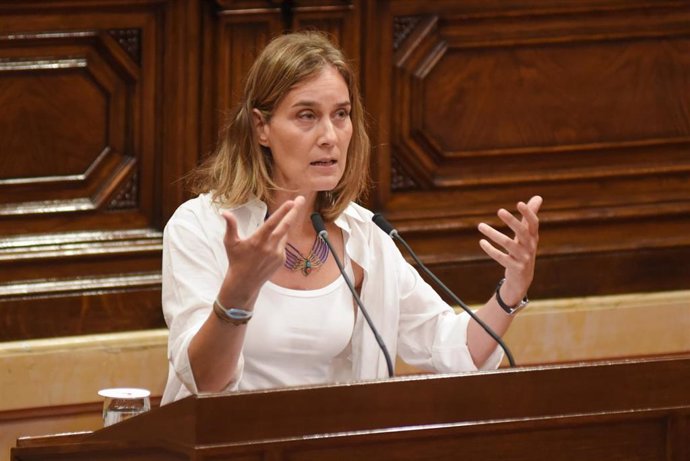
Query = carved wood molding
x=403 y=27
x=127 y=196
x=82 y=285
x=107 y=163
x=30 y=64
x=400 y=180
x=75 y=170
x=130 y=40
x=445 y=80
x=49 y=264
x=93 y=91
x=78 y=244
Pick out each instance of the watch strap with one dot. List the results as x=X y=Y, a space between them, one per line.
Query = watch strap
x=234 y=315
x=510 y=310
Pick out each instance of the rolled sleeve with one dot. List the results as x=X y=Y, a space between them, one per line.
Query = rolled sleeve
x=450 y=351
x=433 y=336
x=192 y=275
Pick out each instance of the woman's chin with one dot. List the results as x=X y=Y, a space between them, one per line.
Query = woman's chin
x=325 y=185
x=312 y=185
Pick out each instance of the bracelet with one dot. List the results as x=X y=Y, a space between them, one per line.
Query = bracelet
x=233 y=315
x=510 y=310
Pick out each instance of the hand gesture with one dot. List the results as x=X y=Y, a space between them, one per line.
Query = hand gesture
x=254 y=260
x=519 y=253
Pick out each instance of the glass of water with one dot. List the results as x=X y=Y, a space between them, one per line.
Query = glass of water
x=122 y=403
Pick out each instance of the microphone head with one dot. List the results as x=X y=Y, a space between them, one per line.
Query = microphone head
x=385 y=226
x=317 y=222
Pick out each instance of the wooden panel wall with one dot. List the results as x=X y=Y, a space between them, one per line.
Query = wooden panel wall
x=473 y=106
x=235 y=32
x=88 y=157
x=584 y=103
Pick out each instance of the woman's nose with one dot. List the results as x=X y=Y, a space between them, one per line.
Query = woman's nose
x=327 y=134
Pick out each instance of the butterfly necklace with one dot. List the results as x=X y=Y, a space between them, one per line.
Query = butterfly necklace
x=295 y=260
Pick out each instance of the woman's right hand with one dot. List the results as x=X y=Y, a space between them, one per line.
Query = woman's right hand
x=254 y=260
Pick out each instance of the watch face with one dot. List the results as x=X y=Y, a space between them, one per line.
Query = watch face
x=239 y=314
x=521 y=305
x=233 y=315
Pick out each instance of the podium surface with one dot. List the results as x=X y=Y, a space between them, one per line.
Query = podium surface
x=627 y=410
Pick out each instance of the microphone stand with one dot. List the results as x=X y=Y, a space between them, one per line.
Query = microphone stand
x=388 y=228
x=320 y=228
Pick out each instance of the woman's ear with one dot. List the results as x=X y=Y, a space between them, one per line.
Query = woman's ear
x=261 y=127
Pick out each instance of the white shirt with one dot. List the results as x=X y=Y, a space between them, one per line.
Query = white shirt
x=299 y=337
x=413 y=320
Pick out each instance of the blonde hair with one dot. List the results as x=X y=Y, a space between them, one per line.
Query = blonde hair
x=240 y=168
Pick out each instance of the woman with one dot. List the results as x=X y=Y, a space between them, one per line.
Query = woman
x=245 y=248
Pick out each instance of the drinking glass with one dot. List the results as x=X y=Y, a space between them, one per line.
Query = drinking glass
x=122 y=403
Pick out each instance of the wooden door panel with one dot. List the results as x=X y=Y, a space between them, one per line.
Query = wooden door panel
x=80 y=211
x=69 y=106
x=473 y=105
x=473 y=111
x=233 y=37
x=110 y=103
x=491 y=103
x=237 y=31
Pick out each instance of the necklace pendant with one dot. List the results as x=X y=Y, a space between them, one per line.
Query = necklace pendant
x=294 y=260
x=307 y=268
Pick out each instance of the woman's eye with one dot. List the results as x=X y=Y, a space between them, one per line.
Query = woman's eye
x=342 y=114
x=306 y=116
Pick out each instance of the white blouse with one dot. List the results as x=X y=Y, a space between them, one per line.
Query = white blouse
x=299 y=337
x=413 y=320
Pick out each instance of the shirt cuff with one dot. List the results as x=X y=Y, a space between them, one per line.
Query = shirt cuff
x=183 y=367
x=451 y=353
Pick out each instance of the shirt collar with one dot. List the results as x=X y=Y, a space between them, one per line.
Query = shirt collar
x=350 y=218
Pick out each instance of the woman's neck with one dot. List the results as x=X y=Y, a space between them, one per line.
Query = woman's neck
x=302 y=226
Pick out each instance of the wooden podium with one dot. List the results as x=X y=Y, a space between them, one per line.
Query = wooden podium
x=615 y=410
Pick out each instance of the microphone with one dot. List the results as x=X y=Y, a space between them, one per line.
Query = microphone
x=388 y=228
x=320 y=227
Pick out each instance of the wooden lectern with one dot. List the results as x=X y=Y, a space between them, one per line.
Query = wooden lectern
x=616 y=410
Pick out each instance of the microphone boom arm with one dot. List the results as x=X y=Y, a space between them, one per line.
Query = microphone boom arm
x=323 y=235
x=380 y=221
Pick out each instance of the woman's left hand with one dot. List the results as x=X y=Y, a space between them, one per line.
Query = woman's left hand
x=519 y=253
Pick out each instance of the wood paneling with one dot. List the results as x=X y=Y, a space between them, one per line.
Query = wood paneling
x=236 y=31
x=473 y=105
x=490 y=104
x=81 y=194
x=550 y=331
x=108 y=104
x=572 y=440
x=604 y=410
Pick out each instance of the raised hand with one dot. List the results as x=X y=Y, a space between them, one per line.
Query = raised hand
x=254 y=260
x=519 y=252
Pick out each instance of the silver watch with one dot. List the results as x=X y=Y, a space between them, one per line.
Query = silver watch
x=508 y=309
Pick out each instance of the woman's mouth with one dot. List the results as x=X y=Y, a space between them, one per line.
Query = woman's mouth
x=324 y=162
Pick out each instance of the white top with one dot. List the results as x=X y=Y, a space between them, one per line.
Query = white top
x=413 y=320
x=299 y=337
